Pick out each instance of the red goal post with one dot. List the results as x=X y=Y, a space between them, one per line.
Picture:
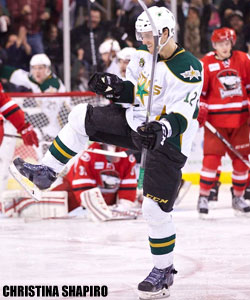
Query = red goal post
x=43 y=95
x=48 y=113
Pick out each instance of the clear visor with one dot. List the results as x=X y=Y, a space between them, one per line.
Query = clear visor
x=143 y=35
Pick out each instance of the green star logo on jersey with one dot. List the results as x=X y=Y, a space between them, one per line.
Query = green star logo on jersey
x=141 y=91
x=192 y=73
x=141 y=62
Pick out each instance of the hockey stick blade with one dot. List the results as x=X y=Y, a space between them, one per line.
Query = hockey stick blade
x=109 y=153
x=13 y=136
x=34 y=193
x=182 y=192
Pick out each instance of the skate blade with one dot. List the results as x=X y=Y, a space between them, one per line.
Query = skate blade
x=238 y=213
x=27 y=185
x=212 y=204
x=203 y=216
x=164 y=293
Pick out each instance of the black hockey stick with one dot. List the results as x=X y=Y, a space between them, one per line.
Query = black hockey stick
x=92 y=41
x=13 y=136
x=231 y=147
x=154 y=61
x=118 y=22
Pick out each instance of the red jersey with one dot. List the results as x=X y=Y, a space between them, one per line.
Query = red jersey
x=226 y=88
x=94 y=170
x=10 y=110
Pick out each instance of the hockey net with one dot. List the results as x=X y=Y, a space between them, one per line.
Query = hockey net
x=48 y=113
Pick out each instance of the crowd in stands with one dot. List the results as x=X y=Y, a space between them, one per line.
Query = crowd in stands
x=30 y=27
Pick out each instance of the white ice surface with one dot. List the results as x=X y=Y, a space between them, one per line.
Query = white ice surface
x=212 y=256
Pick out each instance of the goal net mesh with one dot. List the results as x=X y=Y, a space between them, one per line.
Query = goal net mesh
x=48 y=114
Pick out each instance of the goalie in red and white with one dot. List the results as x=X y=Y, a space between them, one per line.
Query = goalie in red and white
x=114 y=176
x=224 y=103
x=13 y=113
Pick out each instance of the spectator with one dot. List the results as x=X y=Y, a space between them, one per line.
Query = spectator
x=192 y=31
x=114 y=176
x=181 y=18
x=18 y=51
x=53 y=46
x=29 y=14
x=80 y=36
x=210 y=20
x=235 y=21
x=80 y=72
x=247 y=37
x=4 y=24
x=227 y=6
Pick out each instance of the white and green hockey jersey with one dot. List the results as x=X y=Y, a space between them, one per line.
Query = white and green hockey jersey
x=49 y=108
x=176 y=91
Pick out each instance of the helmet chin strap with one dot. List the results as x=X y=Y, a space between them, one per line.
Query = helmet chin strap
x=162 y=45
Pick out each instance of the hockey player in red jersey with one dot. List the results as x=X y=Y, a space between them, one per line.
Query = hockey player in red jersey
x=13 y=113
x=224 y=103
x=115 y=177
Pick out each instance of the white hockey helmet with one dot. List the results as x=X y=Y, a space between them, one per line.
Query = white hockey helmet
x=40 y=59
x=162 y=17
x=126 y=53
x=108 y=46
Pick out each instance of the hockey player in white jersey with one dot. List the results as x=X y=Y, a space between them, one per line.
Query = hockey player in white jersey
x=168 y=135
x=40 y=79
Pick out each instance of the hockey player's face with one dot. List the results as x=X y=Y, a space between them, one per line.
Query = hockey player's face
x=148 y=40
x=39 y=73
x=223 y=49
x=123 y=66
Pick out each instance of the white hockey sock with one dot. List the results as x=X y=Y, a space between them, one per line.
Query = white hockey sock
x=70 y=140
x=161 y=233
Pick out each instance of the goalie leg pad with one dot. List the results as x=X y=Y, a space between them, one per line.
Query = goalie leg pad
x=53 y=204
x=93 y=200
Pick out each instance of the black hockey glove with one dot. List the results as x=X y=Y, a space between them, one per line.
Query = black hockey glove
x=153 y=135
x=107 y=85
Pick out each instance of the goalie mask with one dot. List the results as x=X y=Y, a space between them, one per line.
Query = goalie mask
x=111 y=148
x=40 y=67
x=162 y=17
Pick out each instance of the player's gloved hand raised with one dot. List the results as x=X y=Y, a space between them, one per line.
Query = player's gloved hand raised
x=153 y=134
x=203 y=112
x=107 y=85
x=28 y=135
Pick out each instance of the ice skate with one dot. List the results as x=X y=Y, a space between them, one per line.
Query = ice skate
x=42 y=176
x=156 y=285
x=202 y=206
x=247 y=193
x=213 y=196
x=240 y=205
